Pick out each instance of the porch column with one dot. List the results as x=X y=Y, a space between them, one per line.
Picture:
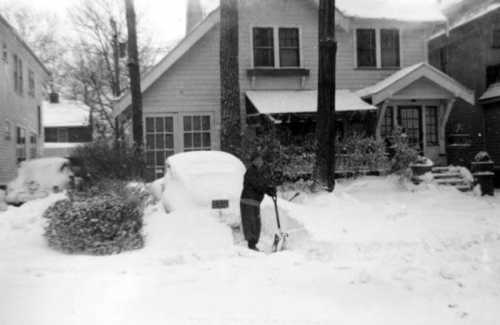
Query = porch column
x=442 y=126
x=380 y=120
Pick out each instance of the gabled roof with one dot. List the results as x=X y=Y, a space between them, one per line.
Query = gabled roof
x=388 y=87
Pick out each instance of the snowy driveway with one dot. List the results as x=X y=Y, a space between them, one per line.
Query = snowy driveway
x=376 y=253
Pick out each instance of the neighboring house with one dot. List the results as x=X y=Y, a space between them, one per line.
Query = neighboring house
x=383 y=79
x=67 y=125
x=469 y=51
x=22 y=79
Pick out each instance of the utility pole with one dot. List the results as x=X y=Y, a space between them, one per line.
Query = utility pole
x=325 y=121
x=116 y=59
x=135 y=77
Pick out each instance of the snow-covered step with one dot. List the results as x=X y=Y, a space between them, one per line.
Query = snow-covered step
x=437 y=170
x=447 y=175
x=451 y=181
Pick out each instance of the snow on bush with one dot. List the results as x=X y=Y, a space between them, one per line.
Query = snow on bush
x=106 y=220
x=38 y=178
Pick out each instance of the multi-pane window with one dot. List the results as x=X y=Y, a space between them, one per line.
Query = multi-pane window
x=159 y=143
x=410 y=120
x=389 y=47
x=387 y=123
x=20 y=144
x=495 y=42
x=366 y=48
x=197 y=133
x=263 y=47
x=68 y=135
x=289 y=47
x=431 y=121
x=31 y=83
x=33 y=146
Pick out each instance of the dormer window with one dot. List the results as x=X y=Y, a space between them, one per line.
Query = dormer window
x=270 y=54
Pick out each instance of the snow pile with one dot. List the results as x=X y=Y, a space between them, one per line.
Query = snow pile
x=38 y=177
x=410 y=10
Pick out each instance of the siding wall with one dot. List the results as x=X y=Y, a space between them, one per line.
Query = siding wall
x=20 y=110
x=191 y=85
x=467 y=51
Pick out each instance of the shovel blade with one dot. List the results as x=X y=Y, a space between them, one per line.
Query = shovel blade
x=279 y=242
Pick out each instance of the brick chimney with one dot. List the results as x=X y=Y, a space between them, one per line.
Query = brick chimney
x=54 y=98
x=194 y=14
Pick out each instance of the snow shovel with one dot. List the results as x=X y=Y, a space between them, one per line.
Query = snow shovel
x=280 y=237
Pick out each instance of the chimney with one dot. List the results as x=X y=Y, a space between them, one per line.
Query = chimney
x=54 y=98
x=194 y=14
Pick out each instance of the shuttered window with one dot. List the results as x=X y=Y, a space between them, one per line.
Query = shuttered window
x=389 y=47
x=366 y=48
x=263 y=47
x=289 y=47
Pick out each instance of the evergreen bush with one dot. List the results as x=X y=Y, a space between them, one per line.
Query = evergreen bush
x=106 y=219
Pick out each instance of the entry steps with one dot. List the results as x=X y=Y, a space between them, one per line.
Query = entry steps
x=453 y=176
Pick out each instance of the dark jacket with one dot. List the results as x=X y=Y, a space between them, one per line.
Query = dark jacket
x=255 y=185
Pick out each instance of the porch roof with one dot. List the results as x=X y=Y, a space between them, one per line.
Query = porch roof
x=492 y=94
x=302 y=101
x=405 y=77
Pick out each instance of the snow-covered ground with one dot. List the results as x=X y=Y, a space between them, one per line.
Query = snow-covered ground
x=374 y=252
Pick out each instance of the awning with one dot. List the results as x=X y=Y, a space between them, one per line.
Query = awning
x=302 y=101
x=492 y=94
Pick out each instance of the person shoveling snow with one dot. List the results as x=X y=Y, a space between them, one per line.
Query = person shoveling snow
x=255 y=186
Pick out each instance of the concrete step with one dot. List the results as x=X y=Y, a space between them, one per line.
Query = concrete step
x=439 y=170
x=451 y=182
x=447 y=175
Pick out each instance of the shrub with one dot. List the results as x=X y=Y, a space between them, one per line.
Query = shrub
x=402 y=154
x=104 y=160
x=359 y=154
x=106 y=219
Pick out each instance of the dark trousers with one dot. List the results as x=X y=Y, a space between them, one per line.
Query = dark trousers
x=250 y=220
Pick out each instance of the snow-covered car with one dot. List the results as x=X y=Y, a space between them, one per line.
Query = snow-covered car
x=38 y=178
x=203 y=179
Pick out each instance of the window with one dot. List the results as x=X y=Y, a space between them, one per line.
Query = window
x=7 y=130
x=21 y=77
x=33 y=146
x=5 y=54
x=492 y=74
x=289 y=47
x=263 y=47
x=389 y=47
x=20 y=144
x=159 y=143
x=388 y=123
x=15 y=68
x=366 y=48
x=495 y=42
x=431 y=121
x=31 y=83
x=197 y=133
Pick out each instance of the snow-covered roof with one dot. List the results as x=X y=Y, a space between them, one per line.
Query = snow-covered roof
x=302 y=101
x=405 y=10
x=66 y=113
x=467 y=18
x=492 y=93
x=386 y=88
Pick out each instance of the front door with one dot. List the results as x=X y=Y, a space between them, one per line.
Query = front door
x=410 y=119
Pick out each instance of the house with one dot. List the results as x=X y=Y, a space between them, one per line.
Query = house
x=22 y=82
x=469 y=51
x=67 y=125
x=383 y=78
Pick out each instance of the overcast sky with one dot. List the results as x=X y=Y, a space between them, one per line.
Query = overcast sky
x=166 y=18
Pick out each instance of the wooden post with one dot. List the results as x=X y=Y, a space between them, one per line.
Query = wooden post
x=135 y=77
x=325 y=120
x=381 y=117
x=442 y=126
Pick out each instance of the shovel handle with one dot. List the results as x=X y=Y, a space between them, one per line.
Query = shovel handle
x=275 y=200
